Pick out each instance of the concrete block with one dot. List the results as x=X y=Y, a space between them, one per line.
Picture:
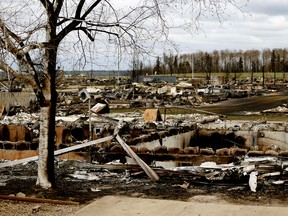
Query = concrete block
x=22 y=145
x=175 y=150
x=255 y=153
x=271 y=153
x=15 y=133
x=4 y=132
x=144 y=150
x=223 y=152
x=237 y=152
x=191 y=150
x=207 y=151
x=283 y=153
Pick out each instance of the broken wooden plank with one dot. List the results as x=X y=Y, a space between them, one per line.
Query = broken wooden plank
x=58 y=152
x=39 y=200
x=83 y=145
x=151 y=173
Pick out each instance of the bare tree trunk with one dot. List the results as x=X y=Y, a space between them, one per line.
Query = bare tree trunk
x=43 y=179
x=46 y=172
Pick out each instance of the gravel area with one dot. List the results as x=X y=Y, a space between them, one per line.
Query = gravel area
x=13 y=208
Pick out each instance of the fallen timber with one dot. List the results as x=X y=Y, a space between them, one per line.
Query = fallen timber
x=152 y=174
x=39 y=200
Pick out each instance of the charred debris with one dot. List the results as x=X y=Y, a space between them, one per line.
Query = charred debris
x=201 y=147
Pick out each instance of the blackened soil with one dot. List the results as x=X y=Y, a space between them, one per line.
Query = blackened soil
x=22 y=178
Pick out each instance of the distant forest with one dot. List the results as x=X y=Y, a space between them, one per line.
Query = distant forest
x=227 y=62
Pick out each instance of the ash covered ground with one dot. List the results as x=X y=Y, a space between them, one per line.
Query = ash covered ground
x=83 y=182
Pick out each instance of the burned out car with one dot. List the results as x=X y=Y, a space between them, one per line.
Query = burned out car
x=214 y=95
x=240 y=93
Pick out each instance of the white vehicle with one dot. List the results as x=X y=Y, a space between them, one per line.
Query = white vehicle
x=203 y=90
x=207 y=89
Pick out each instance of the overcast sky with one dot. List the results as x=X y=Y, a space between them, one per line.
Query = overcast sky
x=263 y=25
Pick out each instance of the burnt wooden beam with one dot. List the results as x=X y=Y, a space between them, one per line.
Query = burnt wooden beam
x=38 y=200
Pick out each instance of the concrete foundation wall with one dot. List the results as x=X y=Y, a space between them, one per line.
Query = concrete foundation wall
x=217 y=140
x=19 y=154
x=179 y=141
x=274 y=138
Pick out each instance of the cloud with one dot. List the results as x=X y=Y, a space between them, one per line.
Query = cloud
x=263 y=25
x=269 y=8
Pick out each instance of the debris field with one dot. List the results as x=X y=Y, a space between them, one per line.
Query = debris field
x=146 y=153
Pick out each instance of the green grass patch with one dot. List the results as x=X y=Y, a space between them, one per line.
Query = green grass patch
x=183 y=111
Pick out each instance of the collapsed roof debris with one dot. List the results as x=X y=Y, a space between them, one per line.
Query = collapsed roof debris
x=212 y=150
x=269 y=169
x=248 y=170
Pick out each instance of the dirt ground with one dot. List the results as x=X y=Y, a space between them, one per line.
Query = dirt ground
x=83 y=183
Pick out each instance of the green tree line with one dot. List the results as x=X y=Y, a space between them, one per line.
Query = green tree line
x=231 y=63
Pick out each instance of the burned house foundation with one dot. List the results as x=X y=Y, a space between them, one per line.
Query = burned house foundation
x=179 y=140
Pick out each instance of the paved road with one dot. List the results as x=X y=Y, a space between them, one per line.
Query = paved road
x=249 y=104
x=125 y=206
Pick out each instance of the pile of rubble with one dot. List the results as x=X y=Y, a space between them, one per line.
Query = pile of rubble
x=149 y=137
